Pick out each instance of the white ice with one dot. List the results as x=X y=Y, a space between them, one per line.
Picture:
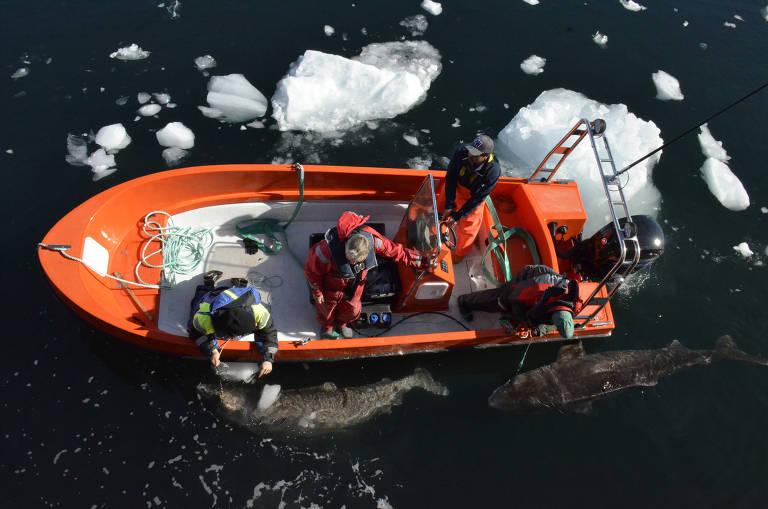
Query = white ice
x=235 y=97
x=176 y=134
x=161 y=97
x=712 y=147
x=149 y=109
x=20 y=73
x=728 y=24
x=101 y=164
x=329 y=30
x=764 y=12
x=534 y=64
x=531 y=2
x=431 y=7
x=132 y=52
x=413 y=140
x=173 y=155
x=268 y=397
x=205 y=62
x=325 y=92
x=726 y=186
x=632 y=6
x=600 y=39
x=743 y=249
x=667 y=86
x=113 y=138
x=537 y=128
x=417 y=24
x=143 y=97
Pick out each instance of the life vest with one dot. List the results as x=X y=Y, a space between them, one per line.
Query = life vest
x=336 y=247
x=203 y=321
x=467 y=176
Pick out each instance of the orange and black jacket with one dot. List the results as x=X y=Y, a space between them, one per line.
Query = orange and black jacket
x=480 y=181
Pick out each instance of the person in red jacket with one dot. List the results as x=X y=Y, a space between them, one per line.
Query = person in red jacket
x=337 y=266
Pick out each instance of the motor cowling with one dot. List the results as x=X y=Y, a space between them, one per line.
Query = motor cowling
x=597 y=255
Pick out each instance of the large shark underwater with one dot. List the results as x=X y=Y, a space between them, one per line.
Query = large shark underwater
x=318 y=408
x=574 y=380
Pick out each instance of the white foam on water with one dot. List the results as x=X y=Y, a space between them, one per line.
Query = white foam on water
x=724 y=185
x=176 y=134
x=235 y=97
x=534 y=64
x=630 y=5
x=268 y=397
x=667 y=86
x=113 y=138
x=434 y=8
x=149 y=109
x=743 y=249
x=600 y=39
x=132 y=52
x=324 y=92
x=538 y=127
x=205 y=62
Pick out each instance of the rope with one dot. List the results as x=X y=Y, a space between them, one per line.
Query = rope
x=676 y=138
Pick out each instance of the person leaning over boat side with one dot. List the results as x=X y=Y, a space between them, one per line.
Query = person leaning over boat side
x=538 y=297
x=471 y=176
x=230 y=313
x=337 y=266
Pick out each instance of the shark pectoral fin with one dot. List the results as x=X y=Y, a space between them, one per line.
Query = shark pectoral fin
x=583 y=407
x=569 y=352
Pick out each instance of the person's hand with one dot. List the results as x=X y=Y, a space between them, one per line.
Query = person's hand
x=319 y=299
x=215 y=355
x=266 y=368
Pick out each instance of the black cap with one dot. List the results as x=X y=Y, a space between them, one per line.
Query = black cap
x=482 y=145
x=235 y=321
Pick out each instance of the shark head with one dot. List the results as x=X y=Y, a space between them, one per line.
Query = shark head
x=524 y=394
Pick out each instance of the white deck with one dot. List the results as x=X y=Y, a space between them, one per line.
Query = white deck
x=289 y=298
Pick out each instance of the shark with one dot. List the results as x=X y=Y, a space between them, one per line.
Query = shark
x=575 y=379
x=319 y=408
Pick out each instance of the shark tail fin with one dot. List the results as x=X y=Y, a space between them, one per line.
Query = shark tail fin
x=423 y=379
x=726 y=348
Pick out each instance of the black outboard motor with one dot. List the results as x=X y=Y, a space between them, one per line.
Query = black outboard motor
x=597 y=255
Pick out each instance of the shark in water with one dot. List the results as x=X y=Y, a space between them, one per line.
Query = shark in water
x=322 y=407
x=574 y=380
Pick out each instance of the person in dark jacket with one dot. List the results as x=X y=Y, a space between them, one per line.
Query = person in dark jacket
x=230 y=313
x=538 y=297
x=471 y=176
x=337 y=266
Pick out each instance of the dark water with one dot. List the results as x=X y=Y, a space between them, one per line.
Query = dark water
x=90 y=422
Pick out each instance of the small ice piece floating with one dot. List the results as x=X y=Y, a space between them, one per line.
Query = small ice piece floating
x=329 y=30
x=143 y=97
x=722 y=183
x=149 y=109
x=113 y=138
x=20 y=73
x=531 y=2
x=728 y=24
x=632 y=6
x=711 y=147
x=132 y=52
x=534 y=65
x=667 y=87
x=176 y=134
x=205 y=62
x=324 y=92
x=235 y=98
x=764 y=12
x=417 y=24
x=434 y=8
x=600 y=39
x=743 y=249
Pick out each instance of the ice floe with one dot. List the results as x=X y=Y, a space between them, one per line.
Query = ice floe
x=325 y=92
x=113 y=138
x=531 y=2
x=176 y=134
x=743 y=249
x=667 y=86
x=600 y=39
x=205 y=62
x=722 y=182
x=101 y=163
x=431 y=7
x=235 y=98
x=534 y=64
x=632 y=6
x=728 y=24
x=132 y=52
x=329 y=30
x=536 y=128
x=711 y=147
x=416 y=24
x=143 y=97
x=149 y=109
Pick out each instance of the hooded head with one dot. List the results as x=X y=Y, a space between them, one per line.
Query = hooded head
x=563 y=320
x=347 y=222
x=234 y=321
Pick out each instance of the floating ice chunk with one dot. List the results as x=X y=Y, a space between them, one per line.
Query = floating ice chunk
x=122 y=101
x=711 y=147
x=667 y=86
x=743 y=250
x=77 y=150
x=100 y=174
x=764 y=210
x=534 y=64
x=536 y=128
x=632 y=6
x=161 y=97
x=419 y=163
x=205 y=62
x=256 y=124
x=132 y=52
x=100 y=161
x=329 y=30
x=764 y=12
x=431 y=7
x=324 y=92
x=456 y=122
x=417 y=24
x=176 y=134
x=210 y=112
x=173 y=155
x=685 y=23
x=736 y=16
x=149 y=109
x=113 y=138
x=726 y=186
x=531 y=2
x=703 y=45
x=20 y=73
x=413 y=140
x=268 y=397
x=143 y=97
x=236 y=98
x=9 y=151
x=600 y=39
x=728 y=24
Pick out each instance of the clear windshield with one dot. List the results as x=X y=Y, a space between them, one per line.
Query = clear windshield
x=420 y=222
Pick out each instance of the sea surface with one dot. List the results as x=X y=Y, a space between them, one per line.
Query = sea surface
x=90 y=422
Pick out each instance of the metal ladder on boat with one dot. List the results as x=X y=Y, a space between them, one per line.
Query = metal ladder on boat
x=626 y=234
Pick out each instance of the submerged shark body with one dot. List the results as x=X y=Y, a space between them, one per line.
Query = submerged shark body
x=574 y=380
x=321 y=407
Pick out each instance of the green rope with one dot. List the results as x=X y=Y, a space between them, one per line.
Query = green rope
x=495 y=245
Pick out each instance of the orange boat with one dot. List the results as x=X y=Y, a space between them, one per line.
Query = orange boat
x=106 y=263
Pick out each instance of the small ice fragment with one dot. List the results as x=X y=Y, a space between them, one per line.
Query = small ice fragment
x=100 y=161
x=456 y=122
x=711 y=147
x=176 y=134
x=113 y=138
x=534 y=64
x=173 y=155
x=743 y=250
x=20 y=73
x=256 y=124
x=268 y=396
x=132 y=52
x=764 y=12
x=531 y=2
x=632 y=6
x=161 y=98
x=149 y=109
x=413 y=140
x=205 y=62
x=600 y=39
x=728 y=24
x=431 y=7
x=417 y=24
x=685 y=23
x=703 y=45
x=236 y=98
x=122 y=101
x=143 y=97
x=667 y=86
x=736 y=16
x=329 y=30
x=9 y=151
x=764 y=210
x=724 y=185
x=77 y=149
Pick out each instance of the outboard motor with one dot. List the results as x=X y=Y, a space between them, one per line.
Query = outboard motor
x=597 y=255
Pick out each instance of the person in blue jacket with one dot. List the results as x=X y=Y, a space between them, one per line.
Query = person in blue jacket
x=230 y=313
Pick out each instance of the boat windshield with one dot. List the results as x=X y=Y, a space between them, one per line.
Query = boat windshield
x=421 y=221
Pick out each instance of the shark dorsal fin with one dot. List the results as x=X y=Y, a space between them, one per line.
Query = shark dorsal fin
x=569 y=352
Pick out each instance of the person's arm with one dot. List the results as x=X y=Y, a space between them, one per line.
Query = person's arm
x=550 y=292
x=318 y=264
x=396 y=252
x=268 y=335
x=207 y=344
